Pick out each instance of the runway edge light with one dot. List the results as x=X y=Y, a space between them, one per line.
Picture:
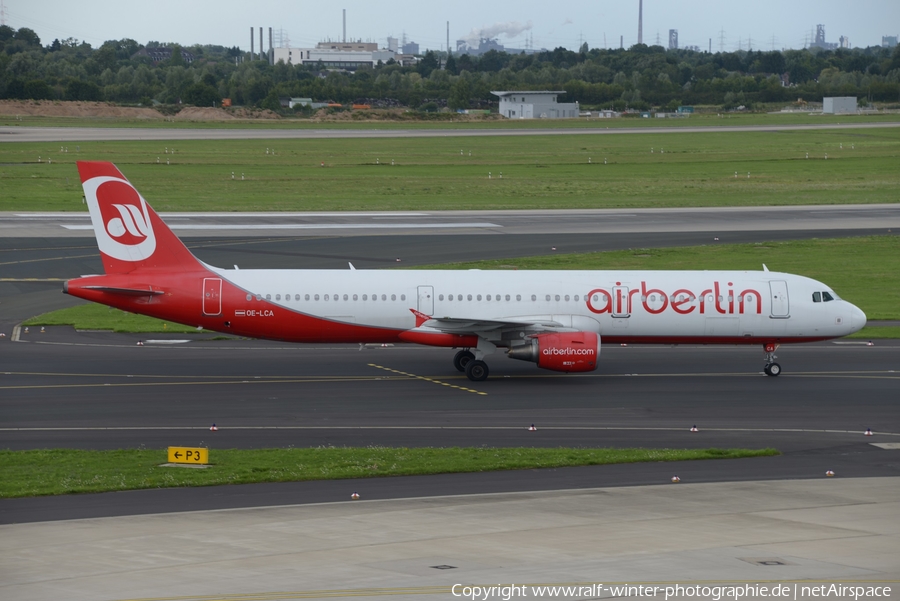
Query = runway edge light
x=531 y=428
x=829 y=473
x=676 y=479
x=694 y=428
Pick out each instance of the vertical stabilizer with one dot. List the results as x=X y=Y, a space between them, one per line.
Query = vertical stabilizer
x=129 y=233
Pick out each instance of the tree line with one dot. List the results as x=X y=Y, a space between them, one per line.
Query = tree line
x=639 y=77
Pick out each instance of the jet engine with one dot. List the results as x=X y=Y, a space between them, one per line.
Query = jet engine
x=565 y=351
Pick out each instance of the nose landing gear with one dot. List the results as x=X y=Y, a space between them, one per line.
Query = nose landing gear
x=771 y=368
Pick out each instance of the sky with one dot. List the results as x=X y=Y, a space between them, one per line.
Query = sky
x=759 y=24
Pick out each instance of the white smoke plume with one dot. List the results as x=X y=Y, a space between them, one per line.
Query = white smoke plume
x=510 y=29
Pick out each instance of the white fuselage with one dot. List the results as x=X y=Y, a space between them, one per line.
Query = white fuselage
x=665 y=306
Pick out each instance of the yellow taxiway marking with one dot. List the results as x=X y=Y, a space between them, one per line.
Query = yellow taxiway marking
x=427 y=379
x=201 y=383
x=63 y=258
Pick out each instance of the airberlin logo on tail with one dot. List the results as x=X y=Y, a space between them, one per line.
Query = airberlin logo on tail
x=121 y=219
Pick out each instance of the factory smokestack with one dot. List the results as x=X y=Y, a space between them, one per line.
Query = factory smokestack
x=271 y=52
x=448 y=38
x=345 y=26
x=260 y=43
x=640 y=21
x=252 y=47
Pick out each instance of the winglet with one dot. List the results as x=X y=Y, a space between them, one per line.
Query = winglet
x=352 y=268
x=765 y=268
x=420 y=317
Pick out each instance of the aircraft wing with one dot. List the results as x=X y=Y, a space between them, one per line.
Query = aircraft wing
x=462 y=325
x=456 y=325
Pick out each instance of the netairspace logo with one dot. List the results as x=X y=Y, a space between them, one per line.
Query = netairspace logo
x=716 y=592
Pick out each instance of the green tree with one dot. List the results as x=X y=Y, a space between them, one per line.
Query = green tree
x=177 y=59
x=460 y=95
x=202 y=94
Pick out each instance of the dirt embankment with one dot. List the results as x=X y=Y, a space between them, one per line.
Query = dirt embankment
x=54 y=108
x=57 y=108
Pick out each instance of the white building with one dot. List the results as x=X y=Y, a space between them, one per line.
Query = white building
x=332 y=58
x=535 y=105
x=839 y=104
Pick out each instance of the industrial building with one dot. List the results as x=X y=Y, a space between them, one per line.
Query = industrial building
x=334 y=57
x=532 y=104
x=838 y=105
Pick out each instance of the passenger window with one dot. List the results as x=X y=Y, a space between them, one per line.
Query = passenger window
x=548 y=297
x=278 y=297
x=269 y=297
x=345 y=297
x=307 y=297
x=355 y=297
x=518 y=297
x=817 y=297
x=557 y=298
x=402 y=297
x=249 y=297
x=488 y=297
x=534 y=297
x=469 y=297
x=326 y=297
x=827 y=297
x=440 y=297
x=337 y=297
x=567 y=297
x=374 y=297
x=365 y=297
x=576 y=298
x=393 y=297
x=384 y=297
x=296 y=297
x=316 y=297
x=478 y=297
x=449 y=297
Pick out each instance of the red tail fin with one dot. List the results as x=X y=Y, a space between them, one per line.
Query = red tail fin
x=129 y=233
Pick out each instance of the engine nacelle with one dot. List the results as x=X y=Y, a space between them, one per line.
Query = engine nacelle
x=565 y=351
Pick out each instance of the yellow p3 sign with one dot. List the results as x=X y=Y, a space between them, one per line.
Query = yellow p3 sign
x=188 y=455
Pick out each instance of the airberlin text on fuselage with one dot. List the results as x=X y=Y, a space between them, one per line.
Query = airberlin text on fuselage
x=620 y=300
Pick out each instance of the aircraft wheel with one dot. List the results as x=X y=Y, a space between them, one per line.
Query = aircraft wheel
x=462 y=359
x=773 y=369
x=477 y=371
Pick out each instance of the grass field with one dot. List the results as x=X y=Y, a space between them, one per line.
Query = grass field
x=65 y=471
x=695 y=169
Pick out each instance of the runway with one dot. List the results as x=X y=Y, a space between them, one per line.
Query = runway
x=102 y=391
x=84 y=134
x=717 y=220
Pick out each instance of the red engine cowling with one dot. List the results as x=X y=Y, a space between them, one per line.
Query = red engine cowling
x=568 y=351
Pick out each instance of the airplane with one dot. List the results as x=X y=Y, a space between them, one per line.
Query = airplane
x=555 y=319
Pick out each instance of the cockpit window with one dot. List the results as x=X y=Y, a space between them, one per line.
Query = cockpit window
x=826 y=296
x=817 y=297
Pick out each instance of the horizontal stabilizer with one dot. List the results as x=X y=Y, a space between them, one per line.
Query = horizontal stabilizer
x=126 y=291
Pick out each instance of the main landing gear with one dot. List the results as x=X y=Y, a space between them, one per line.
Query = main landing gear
x=475 y=370
x=771 y=368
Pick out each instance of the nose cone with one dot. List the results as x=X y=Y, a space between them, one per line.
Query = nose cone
x=857 y=318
